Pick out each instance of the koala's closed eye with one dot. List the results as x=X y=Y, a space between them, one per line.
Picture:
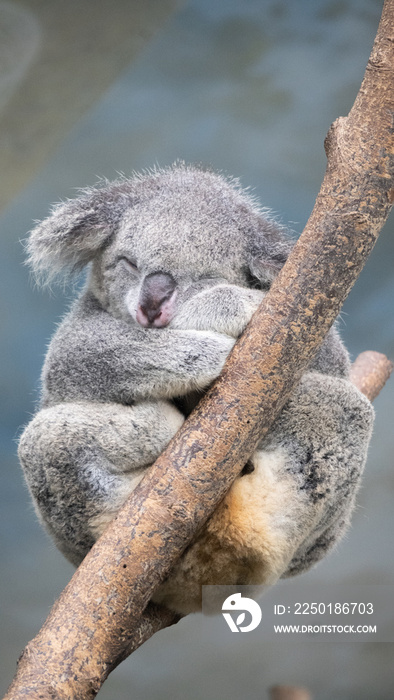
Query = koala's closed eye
x=129 y=264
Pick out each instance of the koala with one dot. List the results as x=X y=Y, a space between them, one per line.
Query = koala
x=179 y=259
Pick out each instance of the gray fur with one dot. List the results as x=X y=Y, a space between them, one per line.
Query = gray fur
x=113 y=389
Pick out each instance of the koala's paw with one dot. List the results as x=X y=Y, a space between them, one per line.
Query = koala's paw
x=252 y=299
x=224 y=308
x=208 y=355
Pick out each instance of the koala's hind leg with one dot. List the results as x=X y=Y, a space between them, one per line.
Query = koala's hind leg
x=285 y=515
x=82 y=460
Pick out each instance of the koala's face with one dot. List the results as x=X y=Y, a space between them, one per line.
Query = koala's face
x=156 y=239
x=167 y=247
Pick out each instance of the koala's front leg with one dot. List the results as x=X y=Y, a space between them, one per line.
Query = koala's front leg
x=224 y=308
x=94 y=356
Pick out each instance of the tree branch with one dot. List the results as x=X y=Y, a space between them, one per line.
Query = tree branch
x=370 y=373
x=89 y=629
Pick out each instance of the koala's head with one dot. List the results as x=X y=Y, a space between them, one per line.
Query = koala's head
x=156 y=237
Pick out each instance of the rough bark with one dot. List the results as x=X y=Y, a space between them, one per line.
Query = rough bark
x=369 y=373
x=90 y=627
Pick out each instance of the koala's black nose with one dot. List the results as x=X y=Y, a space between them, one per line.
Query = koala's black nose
x=156 y=300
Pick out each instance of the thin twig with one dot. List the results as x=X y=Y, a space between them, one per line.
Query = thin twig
x=370 y=372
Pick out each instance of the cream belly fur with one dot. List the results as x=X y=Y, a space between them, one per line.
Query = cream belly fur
x=249 y=539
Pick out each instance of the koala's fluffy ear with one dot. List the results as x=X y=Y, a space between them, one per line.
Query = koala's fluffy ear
x=76 y=230
x=269 y=252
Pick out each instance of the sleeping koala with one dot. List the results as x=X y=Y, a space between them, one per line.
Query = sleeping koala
x=180 y=260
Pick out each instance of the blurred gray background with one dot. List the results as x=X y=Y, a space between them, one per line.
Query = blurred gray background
x=92 y=89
